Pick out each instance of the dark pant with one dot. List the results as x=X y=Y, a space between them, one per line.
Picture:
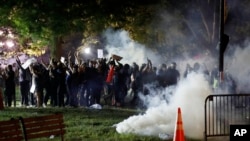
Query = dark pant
x=24 y=90
x=9 y=96
x=95 y=95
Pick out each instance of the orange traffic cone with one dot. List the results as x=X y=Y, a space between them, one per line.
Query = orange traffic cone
x=179 y=131
x=1 y=100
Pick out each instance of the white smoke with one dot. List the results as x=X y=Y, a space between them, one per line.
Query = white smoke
x=119 y=43
x=160 y=117
x=237 y=65
x=189 y=95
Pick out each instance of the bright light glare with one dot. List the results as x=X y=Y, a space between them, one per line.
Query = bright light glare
x=1 y=44
x=10 y=35
x=10 y=44
x=87 y=50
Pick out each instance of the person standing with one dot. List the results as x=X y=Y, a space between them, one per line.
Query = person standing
x=37 y=87
x=161 y=75
x=1 y=89
x=148 y=76
x=135 y=84
x=187 y=71
x=95 y=82
x=9 y=91
x=173 y=75
x=72 y=83
x=24 y=83
x=61 y=90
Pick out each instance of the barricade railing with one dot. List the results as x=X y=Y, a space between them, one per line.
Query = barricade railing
x=223 y=110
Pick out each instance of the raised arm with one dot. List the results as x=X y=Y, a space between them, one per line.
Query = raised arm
x=69 y=63
x=148 y=66
x=19 y=62
x=77 y=59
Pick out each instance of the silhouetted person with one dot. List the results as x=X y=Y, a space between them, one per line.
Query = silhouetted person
x=24 y=83
x=187 y=71
x=161 y=75
x=9 y=91
x=173 y=75
x=61 y=90
x=37 y=85
x=136 y=83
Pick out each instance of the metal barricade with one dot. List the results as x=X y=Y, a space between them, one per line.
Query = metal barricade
x=224 y=110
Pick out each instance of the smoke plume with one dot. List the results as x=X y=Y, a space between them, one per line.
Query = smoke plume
x=189 y=95
x=160 y=116
x=119 y=43
x=236 y=64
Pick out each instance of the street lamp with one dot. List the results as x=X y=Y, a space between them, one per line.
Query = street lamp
x=87 y=50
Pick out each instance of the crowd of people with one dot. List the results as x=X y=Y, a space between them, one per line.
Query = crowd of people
x=84 y=83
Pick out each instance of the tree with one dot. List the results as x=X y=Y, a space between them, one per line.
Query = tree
x=170 y=27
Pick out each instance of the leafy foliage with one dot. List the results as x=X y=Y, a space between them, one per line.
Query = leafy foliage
x=159 y=24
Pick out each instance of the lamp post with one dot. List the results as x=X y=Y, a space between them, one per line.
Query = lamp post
x=224 y=39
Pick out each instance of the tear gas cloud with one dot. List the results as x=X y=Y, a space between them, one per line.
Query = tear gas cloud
x=189 y=94
x=161 y=115
x=160 y=118
x=236 y=64
x=119 y=43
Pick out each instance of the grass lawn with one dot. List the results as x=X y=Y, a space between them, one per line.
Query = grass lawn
x=84 y=124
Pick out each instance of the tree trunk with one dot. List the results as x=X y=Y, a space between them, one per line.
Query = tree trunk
x=57 y=47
